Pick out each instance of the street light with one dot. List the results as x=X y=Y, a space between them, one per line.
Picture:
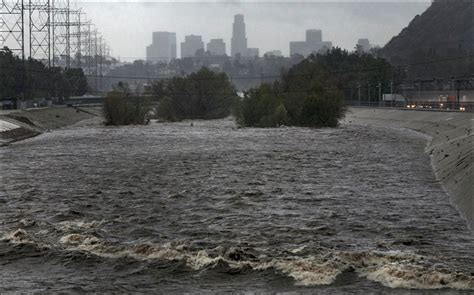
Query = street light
x=358 y=86
x=380 y=93
x=368 y=86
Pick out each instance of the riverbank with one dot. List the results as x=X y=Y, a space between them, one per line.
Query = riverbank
x=451 y=146
x=21 y=124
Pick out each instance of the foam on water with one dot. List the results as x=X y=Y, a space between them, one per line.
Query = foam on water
x=393 y=269
x=16 y=237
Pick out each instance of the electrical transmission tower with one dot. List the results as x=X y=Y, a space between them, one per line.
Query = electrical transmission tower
x=39 y=33
x=12 y=26
x=52 y=32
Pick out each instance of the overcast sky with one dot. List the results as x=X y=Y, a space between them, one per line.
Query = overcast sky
x=128 y=25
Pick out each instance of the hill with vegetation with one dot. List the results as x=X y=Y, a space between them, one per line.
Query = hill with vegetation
x=438 y=43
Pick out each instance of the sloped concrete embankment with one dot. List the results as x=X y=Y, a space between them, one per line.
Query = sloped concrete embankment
x=19 y=125
x=451 y=147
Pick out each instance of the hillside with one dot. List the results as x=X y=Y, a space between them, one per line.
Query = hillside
x=444 y=31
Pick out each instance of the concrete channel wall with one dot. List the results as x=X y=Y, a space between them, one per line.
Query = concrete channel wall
x=451 y=147
x=18 y=125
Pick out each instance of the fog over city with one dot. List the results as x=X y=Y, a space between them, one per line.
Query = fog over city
x=270 y=25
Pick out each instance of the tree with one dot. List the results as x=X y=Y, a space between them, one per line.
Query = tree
x=122 y=107
x=201 y=95
x=32 y=79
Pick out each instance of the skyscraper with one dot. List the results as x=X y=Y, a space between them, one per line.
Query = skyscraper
x=299 y=47
x=239 y=40
x=191 y=45
x=314 y=36
x=163 y=47
x=314 y=40
x=251 y=52
x=313 y=44
x=216 y=47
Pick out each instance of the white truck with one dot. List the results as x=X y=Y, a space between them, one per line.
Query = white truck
x=394 y=99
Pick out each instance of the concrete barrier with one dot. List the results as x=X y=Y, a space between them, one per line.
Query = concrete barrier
x=22 y=124
x=451 y=147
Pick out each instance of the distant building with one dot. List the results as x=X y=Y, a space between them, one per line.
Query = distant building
x=163 y=47
x=239 y=39
x=364 y=44
x=327 y=45
x=273 y=53
x=298 y=47
x=314 y=37
x=216 y=47
x=251 y=52
x=191 y=45
x=313 y=44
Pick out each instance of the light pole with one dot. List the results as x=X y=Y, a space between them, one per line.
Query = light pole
x=380 y=94
x=358 y=86
x=368 y=86
x=391 y=94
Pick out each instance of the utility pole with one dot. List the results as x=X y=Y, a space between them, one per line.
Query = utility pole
x=380 y=94
x=404 y=90
x=458 y=90
x=391 y=94
x=368 y=86
x=419 y=90
x=358 y=86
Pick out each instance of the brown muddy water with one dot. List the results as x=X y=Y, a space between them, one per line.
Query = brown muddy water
x=175 y=208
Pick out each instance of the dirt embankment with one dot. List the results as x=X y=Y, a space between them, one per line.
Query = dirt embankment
x=451 y=147
x=22 y=124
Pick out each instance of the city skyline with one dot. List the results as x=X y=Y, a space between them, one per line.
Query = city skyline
x=269 y=26
x=313 y=43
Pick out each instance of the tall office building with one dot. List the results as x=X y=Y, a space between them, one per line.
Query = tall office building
x=251 y=53
x=313 y=44
x=216 y=47
x=298 y=47
x=314 y=41
x=314 y=36
x=239 y=40
x=163 y=47
x=191 y=45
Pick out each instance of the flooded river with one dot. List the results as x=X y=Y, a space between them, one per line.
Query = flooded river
x=212 y=208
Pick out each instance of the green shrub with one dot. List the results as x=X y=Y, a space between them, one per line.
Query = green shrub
x=166 y=110
x=201 y=95
x=121 y=107
x=306 y=96
x=265 y=108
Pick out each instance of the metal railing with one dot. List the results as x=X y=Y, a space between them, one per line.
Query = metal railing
x=416 y=105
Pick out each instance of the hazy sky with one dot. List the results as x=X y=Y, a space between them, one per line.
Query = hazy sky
x=128 y=25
